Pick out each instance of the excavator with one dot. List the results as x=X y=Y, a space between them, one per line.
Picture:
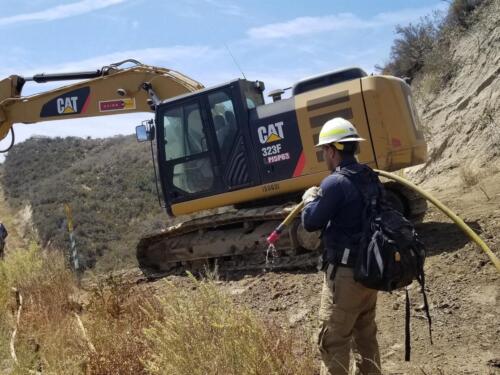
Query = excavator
x=230 y=165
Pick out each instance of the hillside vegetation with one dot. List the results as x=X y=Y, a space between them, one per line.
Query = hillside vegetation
x=108 y=183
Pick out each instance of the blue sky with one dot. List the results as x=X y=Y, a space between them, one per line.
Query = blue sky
x=278 y=42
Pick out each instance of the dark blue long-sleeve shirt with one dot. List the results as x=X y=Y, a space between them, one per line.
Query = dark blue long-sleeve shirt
x=338 y=210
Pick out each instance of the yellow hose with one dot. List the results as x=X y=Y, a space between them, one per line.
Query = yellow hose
x=461 y=224
x=296 y=210
x=468 y=231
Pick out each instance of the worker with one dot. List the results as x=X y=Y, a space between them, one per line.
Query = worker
x=3 y=236
x=347 y=310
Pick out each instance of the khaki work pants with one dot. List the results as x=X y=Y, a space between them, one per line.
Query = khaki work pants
x=347 y=314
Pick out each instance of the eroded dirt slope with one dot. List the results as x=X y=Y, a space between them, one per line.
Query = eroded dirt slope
x=462 y=119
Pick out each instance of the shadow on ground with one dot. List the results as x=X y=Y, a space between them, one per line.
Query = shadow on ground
x=440 y=237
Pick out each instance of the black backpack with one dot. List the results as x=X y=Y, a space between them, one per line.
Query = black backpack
x=390 y=255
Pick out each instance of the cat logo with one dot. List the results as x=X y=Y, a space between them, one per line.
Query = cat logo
x=67 y=105
x=71 y=103
x=271 y=133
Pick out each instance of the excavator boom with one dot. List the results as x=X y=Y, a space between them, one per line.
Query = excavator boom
x=108 y=91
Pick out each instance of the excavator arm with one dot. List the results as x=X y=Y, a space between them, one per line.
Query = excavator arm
x=109 y=91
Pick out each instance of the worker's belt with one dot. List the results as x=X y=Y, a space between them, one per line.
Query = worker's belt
x=341 y=258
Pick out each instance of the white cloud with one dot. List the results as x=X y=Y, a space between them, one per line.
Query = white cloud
x=146 y=55
x=198 y=8
x=226 y=7
x=306 y=25
x=168 y=57
x=60 y=11
x=341 y=21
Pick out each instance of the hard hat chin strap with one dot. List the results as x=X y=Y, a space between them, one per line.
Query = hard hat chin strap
x=339 y=146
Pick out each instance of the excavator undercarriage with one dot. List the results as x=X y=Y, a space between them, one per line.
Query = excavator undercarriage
x=234 y=240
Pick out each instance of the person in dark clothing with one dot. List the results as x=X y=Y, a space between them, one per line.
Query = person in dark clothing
x=347 y=309
x=3 y=236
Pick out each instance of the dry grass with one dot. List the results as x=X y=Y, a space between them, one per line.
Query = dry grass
x=194 y=330
x=46 y=331
x=202 y=332
x=469 y=175
x=115 y=321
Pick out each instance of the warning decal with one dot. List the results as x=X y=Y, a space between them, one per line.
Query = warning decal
x=117 y=105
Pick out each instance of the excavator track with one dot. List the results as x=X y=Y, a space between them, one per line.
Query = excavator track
x=234 y=240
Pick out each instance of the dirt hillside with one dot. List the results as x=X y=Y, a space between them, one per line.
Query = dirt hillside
x=462 y=119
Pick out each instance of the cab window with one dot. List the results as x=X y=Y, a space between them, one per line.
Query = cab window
x=184 y=134
x=185 y=137
x=224 y=119
x=253 y=97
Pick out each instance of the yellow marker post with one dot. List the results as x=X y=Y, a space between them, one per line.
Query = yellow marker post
x=74 y=259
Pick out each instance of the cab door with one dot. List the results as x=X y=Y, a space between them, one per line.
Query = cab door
x=186 y=148
x=202 y=144
x=228 y=128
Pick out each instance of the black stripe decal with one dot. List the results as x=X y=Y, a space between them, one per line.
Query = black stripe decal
x=319 y=121
x=329 y=100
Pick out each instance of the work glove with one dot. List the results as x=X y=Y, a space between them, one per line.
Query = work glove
x=311 y=194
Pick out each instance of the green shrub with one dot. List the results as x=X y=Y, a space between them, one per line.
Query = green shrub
x=459 y=13
x=423 y=48
x=410 y=48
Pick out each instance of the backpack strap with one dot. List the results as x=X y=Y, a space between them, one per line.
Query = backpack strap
x=366 y=183
x=421 y=280
x=407 y=327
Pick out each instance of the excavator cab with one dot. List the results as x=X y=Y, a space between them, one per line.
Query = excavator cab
x=202 y=141
x=223 y=145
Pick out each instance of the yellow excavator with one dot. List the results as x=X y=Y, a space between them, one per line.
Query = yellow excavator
x=231 y=166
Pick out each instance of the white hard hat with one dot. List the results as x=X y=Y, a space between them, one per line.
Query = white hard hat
x=338 y=130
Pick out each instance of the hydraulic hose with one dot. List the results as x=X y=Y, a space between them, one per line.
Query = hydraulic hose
x=12 y=140
x=457 y=220
x=274 y=236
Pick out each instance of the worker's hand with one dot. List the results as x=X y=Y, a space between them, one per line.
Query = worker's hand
x=311 y=194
